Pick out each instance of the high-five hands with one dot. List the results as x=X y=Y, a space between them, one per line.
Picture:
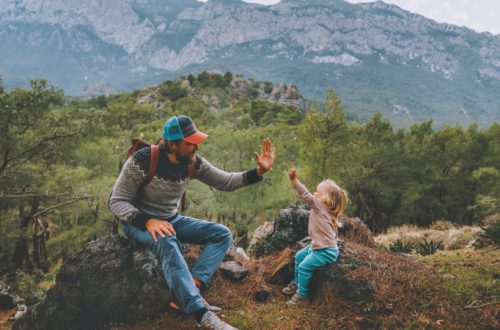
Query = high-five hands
x=266 y=158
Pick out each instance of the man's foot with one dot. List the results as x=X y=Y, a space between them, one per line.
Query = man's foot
x=290 y=289
x=212 y=308
x=210 y=321
x=296 y=299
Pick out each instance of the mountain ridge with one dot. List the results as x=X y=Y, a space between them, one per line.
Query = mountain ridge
x=438 y=71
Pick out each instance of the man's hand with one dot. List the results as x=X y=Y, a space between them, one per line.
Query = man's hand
x=266 y=159
x=159 y=227
x=292 y=175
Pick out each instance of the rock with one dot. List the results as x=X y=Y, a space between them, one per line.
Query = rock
x=290 y=227
x=9 y=300
x=335 y=277
x=233 y=270
x=480 y=243
x=111 y=280
x=355 y=230
x=98 y=89
x=261 y=295
x=236 y=254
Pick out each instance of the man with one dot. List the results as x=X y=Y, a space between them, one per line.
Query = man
x=150 y=216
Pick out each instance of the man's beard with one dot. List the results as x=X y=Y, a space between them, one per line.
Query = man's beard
x=184 y=160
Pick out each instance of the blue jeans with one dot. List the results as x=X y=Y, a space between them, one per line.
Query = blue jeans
x=307 y=260
x=216 y=238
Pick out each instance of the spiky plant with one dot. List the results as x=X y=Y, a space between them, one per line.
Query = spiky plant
x=491 y=232
x=428 y=247
x=401 y=246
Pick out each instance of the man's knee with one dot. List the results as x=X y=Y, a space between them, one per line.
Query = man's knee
x=167 y=243
x=223 y=234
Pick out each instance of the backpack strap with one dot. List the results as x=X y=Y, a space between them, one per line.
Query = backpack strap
x=153 y=164
x=192 y=172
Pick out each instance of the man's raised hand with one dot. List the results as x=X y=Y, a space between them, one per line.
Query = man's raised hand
x=266 y=158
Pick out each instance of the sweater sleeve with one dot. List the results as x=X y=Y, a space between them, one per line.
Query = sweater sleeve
x=222 y=180
x=125 y=191
x=306 y=195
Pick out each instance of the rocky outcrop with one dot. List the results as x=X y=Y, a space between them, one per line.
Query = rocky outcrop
x=110 y=280
x=98 y=89
x=288 y=233
x=10 y=300
x=290 y=227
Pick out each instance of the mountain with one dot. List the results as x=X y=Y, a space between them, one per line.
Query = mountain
x=376 y=56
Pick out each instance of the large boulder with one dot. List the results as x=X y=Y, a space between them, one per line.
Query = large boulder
x=111 y=280
x=10 y=300
x=279 y=241
x=290 y=227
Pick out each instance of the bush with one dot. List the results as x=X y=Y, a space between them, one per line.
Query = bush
x=428 y=247
x=492 y=232
x=442 y=225
x=401 y=246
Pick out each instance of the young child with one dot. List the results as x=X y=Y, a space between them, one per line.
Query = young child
x=326 y=204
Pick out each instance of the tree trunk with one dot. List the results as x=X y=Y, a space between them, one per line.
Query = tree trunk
x=20 y=257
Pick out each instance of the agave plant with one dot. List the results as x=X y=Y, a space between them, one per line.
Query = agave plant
x=428 y=247
x=492 y=232
x=401 y=246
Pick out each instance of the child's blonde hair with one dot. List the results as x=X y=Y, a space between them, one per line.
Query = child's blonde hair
x=334 y=197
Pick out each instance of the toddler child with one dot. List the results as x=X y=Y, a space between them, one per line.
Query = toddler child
x=327 y=203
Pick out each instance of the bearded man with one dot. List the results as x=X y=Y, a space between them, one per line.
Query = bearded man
x=149 y=212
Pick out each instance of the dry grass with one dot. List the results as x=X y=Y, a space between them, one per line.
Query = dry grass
x=408 y=295
x=453 y=237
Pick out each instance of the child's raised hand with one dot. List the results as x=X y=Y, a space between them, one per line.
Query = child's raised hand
x=292 y=174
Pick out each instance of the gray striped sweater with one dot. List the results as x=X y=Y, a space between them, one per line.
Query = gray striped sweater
x=133 y=202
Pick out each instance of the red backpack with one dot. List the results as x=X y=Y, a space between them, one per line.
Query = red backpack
x=138 y=144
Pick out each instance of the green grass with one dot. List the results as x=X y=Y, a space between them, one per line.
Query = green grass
x=470 y=275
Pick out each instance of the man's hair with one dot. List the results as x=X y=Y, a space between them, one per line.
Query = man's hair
x=163 y=144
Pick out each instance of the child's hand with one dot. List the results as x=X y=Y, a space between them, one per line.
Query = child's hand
x=292 y=174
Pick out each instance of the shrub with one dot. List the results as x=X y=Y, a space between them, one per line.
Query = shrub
x=442 y=225
x=428 y=247
x=401 y=246
x=492 y=232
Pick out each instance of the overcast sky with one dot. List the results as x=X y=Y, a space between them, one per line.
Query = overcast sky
x=480 y=15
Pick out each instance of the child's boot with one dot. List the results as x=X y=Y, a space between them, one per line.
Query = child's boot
x=296 y=299
x=290 y=289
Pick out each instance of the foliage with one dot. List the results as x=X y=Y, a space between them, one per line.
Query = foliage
x=401 y=246
x=441 y=225
x=59 y=148
x=492 y=232
x=428 y=247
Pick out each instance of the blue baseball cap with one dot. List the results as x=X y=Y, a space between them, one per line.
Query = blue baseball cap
x=182 y=128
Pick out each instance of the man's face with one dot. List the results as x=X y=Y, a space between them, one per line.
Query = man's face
x=186 y=152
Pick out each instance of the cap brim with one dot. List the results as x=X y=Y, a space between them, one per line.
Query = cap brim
x=196 y=138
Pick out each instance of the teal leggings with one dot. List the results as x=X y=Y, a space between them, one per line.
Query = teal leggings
x=307 y=260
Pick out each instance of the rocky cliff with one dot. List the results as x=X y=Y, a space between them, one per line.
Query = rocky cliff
x=377 y=56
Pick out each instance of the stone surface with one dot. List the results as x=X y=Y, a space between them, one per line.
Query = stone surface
x=233 y=270
x=289 y=229
x=111 y=280
x=9 y=300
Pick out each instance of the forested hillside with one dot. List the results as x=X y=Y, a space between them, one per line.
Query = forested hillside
x=60 y=157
